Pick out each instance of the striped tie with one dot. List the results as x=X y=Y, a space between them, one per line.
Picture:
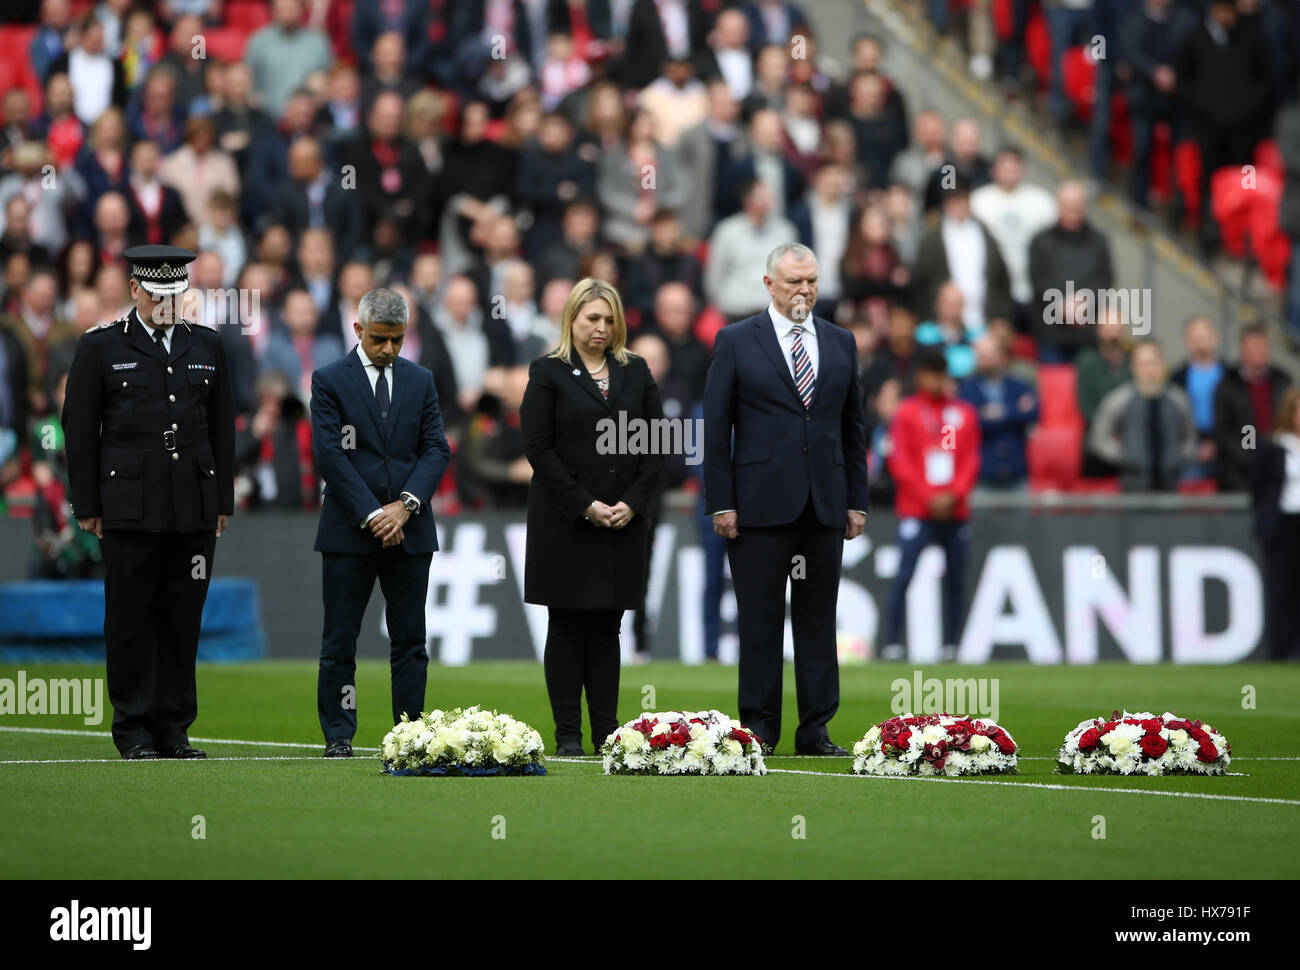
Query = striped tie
x=803 y=372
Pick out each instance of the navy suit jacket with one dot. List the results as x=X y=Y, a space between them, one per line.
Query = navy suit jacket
x=782 y=451
x=367 y=469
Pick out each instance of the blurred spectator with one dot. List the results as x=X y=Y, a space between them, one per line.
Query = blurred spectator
x=709 y=154
x=249 y=136
x=1007 y=410
x=387 y=71
x=101 y=164
x=914 y=166
x=729 y=43
x=1288 y=143
x=141 y=46
x=947 y=331
x=635 y=181
x=38 y=327
x=299 y=348
x=313 y=198
x=474 y=341
x=356 y=279
x=1275 y=491
x=58 y=125
x=688 y=358
x=493 y=470
x=823 y=218
x=283 y=53
x=13 y=383
x=1099 y=370
x=658 y=29
x=880 y=446
x=189 y=70
x=477 y=176
x=112 y=227
x=390 y=173
x=551 y=175
x=47 y=44
x=666 y=259
x=1070 y=256
x=497 y=237
x=563 y=71
x=935 y=462
x=408 y=19
x=156 y=209
x=675 y=101
x=273 y=456
x=222 y=233
x=1152 y=36
x=155 y=113
x=60 y=549
x=96 y=78
x=1245 y=404
x=86 y=312
x=959 y=248
x=1145 y=427
x=1199 y=378
x=767 y=162
x=733 y=278
x=879 y=134
x=1070 y=23
x=872 y=273
x=15 y=235
x=532 y=335
x=1014 y=212
x=896 y=358
x=963 y=162
x=1019 y=365
x=198 y=168
x=1222 y=78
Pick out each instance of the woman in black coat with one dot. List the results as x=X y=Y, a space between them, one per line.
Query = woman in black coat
x=1275 y=491
x=587 y=535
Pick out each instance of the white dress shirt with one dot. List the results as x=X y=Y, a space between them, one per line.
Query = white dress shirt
x=150 y=329
x=785 y=337
x=372 y=374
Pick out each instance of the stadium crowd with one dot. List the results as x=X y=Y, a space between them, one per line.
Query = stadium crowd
x=480 y=156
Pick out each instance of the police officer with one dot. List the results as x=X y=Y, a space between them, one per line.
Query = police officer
x=149 y=423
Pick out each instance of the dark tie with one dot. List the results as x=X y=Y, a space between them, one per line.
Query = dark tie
x=803 y=372
x=159 y=336
x=381 y=395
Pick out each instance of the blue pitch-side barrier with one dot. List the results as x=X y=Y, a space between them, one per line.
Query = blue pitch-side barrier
x=52 y=620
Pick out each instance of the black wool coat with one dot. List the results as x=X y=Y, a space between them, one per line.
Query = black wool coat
x=569 y=562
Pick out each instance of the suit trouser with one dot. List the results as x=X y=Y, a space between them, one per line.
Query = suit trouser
x=762 y=562
x=348 y=582
x=155 y=585
x=582 y=651
x=1281 y=580
x=954 y=536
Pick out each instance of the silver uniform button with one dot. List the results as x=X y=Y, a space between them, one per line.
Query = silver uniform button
x=205 y=380
x=176 y=427
x=169 y=370
x=124 y=383
x=112 y=473
x=172 y=398
x=176 y=456
x=211 y=472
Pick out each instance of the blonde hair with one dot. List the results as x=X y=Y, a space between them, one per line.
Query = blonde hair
x=1286 y=419
x=583 y=292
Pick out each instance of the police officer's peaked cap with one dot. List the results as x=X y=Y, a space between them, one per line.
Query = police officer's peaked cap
x=161 y=270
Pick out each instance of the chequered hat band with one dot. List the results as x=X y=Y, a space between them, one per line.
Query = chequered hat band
x=166 y=273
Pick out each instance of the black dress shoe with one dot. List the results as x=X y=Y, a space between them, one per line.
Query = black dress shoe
x=338 y=748
x=140 y=752
x=182 y=750
x=570 y=749
x=825 y=748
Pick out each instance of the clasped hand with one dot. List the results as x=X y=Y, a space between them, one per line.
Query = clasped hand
x=387 y=525
x=608 y=516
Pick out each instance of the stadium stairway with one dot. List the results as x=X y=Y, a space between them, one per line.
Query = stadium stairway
x=931 y=72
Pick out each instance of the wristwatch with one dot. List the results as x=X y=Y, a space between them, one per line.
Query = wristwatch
x=411 y=502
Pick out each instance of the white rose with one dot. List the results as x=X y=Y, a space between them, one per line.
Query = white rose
x=979 y=742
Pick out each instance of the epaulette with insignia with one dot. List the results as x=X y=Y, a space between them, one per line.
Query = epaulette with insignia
x=106 y=325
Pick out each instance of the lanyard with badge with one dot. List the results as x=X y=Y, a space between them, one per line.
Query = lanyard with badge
x=938 y=461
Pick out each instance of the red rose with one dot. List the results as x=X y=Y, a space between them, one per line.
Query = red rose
x=741 y=736
x=1005 y=744
x=1108 y=727
x=659 y=741
x=1207 y=752
x=1153 y=745
x=1089 y=739
x=1152 y=726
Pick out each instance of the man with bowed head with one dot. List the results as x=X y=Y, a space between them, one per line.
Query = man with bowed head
x=790 y=489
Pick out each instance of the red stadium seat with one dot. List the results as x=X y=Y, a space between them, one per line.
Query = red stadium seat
x=1198 y=486
x=226 y=43
x=1058 y=396
x=1024 y=347
x=1079 y=78
x=1038 y=46
x=247 y=15
x=707 y=325
x=1055 y=455
x=1187 y=176
x=14 y=43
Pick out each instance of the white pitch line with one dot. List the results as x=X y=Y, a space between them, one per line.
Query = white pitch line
x=109 y=734
x=116 y=761
x=1044 y=785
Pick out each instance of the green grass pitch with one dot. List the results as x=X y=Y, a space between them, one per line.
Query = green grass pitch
x=275 y=811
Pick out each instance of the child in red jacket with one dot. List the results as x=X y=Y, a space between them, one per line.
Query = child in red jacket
x=935 y=463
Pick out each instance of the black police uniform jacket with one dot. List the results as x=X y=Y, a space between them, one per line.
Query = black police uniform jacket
x=150 y=441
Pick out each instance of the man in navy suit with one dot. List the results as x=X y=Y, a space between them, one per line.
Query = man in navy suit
x=379 y=445
x=793 y=485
